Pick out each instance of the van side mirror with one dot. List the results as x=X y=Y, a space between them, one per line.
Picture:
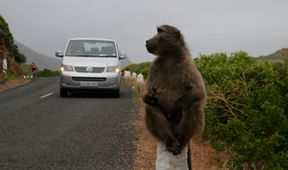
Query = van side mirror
x=59 y=54
x=122 y=55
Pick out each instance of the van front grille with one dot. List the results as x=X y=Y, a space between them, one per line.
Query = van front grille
x=89 y=78
x=82 y=69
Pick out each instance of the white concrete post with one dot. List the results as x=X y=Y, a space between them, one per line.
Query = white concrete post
x=167 y=161
x=140 y=78
x=5 y=65
x=134 y=76
x=127 y=74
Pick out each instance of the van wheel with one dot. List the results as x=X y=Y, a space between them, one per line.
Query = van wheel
x=63 y=92
x=116 y=93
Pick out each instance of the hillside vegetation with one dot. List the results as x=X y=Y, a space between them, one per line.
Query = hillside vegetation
x=15 y=59
x=278 y=56
x=9 y=51
x=247 y=109
x=7 y=42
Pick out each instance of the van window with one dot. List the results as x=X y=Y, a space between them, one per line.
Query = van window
x=91 y=48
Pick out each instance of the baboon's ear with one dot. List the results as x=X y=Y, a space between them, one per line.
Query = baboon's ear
x=178 y=35
x=159 y=29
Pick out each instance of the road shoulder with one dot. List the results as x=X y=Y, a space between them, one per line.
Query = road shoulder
x=13 y=83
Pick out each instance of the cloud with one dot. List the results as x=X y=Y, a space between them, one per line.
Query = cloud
x=256 y=26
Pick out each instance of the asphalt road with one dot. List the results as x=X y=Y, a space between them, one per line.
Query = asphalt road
x=40 y=130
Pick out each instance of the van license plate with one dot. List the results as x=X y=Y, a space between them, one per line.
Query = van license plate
x=88 y=84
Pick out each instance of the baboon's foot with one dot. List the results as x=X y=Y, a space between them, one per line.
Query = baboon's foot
x=183 y=143
x=173 y=146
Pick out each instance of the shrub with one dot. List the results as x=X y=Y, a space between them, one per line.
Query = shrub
x=8 y=40
x=19 y=57
x=9 y=76
x=25 y=69
x=247 y=108
x=47 y=73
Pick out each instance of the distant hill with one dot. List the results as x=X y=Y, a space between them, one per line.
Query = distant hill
x=42 y=61
x=276 y=56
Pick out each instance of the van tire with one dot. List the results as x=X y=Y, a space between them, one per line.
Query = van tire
x=63 y=92
x=116 y=93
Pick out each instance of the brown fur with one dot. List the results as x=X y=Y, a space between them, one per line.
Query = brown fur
x=173 y=75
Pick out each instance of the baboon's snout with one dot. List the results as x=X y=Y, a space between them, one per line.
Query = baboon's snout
x=147 y=42
x=148 y=46
x=151 y=45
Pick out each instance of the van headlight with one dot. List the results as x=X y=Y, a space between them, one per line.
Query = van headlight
x=66 y=68
x=113 y=69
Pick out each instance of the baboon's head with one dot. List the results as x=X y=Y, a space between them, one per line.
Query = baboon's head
x=168 y=40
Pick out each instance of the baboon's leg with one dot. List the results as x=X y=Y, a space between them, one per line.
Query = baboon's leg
x=158 y=125
x=191 y=124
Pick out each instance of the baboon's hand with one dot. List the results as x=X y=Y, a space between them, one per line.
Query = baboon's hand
x=150 y=100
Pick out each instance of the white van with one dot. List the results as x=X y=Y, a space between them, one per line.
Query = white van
x=90 y=64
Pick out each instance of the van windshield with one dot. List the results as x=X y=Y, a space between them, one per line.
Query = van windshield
x=91 y=48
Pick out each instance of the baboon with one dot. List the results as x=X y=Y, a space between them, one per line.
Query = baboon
x=174 y=94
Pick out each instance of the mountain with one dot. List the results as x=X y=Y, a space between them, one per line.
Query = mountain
x=276 y=56
x=42 y=61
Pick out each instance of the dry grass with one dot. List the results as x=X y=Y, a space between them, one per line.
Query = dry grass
x=13 y=83
x=203 y=157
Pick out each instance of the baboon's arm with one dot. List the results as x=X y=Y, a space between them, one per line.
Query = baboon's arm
x=183 y=103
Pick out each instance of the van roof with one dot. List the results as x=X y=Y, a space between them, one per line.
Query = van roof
x=100 y=39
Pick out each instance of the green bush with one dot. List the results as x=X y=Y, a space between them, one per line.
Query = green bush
x=25 y=69
x=46 y=73
x=7 y=37
x=140 y=68
x=247 y=108
x=9 y=76
x=8 y=40
x=19 y=57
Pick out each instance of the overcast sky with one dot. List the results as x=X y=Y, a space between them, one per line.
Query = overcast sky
x=259 y=27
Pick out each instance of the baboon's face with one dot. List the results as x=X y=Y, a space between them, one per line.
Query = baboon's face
x=165 y=41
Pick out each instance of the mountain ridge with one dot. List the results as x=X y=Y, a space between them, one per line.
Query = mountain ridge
x=43 y=61
x=278 y=55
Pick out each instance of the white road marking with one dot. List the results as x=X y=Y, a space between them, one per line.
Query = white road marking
x=46 y=95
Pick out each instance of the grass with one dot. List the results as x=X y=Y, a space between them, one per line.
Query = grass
x=9 y=76
x=26 y=69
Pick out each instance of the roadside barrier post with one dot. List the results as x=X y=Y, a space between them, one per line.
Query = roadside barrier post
x=167 y=161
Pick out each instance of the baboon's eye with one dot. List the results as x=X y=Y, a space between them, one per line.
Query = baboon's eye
x=159 y=30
